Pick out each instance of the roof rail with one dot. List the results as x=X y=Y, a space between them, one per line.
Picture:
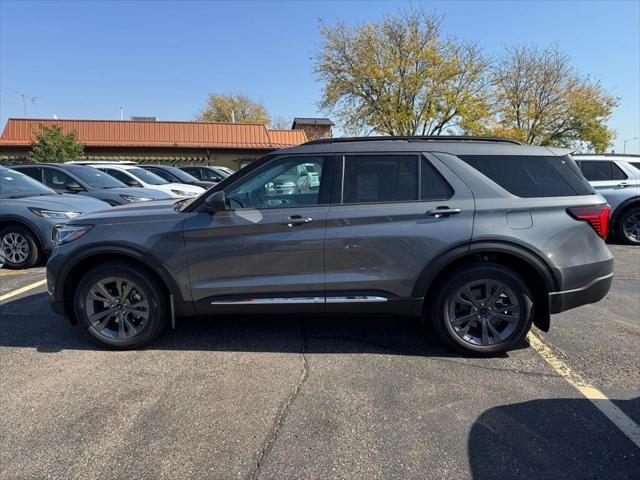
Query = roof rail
x=426 y=138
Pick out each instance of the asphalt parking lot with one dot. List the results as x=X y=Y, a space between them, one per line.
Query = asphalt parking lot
x=310 y=397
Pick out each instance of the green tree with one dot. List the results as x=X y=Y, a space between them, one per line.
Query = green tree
x=540 y=99
x=399 y=77
x=229 y=108
x=51 y=144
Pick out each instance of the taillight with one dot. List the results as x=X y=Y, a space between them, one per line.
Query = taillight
x=596 y=215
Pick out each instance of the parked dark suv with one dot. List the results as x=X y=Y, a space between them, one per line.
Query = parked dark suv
x=480 y=236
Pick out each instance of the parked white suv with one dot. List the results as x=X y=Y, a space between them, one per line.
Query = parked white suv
x=135 y=176
x=617 y=178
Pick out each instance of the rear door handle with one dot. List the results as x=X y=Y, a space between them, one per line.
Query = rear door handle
x=295 y=220
x=624 y=184
x=443 y=211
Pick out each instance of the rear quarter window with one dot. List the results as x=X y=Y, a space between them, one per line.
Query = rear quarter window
x=532 y=176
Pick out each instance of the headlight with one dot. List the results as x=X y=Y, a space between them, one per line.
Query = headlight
x=53 y=213
x=182 y=193
x=69 y=233
x=134 y=199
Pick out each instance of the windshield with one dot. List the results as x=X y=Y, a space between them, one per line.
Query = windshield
x=146 y=176
x=181 y=175
x=96 y=178
x=15 y=185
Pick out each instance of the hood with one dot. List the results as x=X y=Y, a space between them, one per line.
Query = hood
x=184 y=187
x=64 y=202
x=204 y=184
x=144 y=211
x=140 y=192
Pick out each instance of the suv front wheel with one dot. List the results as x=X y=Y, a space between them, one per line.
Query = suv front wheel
x=121 y=307
x=628 y=226
x=483 y=309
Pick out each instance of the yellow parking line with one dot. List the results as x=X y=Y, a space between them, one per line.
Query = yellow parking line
x=26 y=288
x=599 y=399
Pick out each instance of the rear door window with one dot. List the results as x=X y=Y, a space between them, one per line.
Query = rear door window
x=380 y=178
x=33 y=172
x=601 y=171
x=532 y=176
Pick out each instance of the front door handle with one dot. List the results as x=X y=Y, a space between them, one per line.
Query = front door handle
x=295 y=220
x=443 y=211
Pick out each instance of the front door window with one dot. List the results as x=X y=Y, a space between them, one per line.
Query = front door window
x=287 y=182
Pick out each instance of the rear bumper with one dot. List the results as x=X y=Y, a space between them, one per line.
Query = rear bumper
x=592 y=292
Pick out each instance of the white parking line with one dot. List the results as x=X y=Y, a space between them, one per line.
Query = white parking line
x=599 y=399
x=26 y=288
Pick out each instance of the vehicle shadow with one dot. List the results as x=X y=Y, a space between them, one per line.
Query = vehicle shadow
x=29 y=322
x=552 y=438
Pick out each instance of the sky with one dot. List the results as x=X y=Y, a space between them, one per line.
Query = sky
x=161 y=58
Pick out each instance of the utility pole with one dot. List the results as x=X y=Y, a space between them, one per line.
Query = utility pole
x=25 y=97
x=624 y=144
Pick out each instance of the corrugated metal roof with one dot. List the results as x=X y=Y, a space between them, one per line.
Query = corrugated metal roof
x=283 y=138
x=312 y=121
x=127 y=133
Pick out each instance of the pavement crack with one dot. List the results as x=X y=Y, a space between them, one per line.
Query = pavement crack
x=282 y=415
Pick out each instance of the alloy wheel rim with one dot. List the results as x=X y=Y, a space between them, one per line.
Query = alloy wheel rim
x=15 y=247
x=117 y=308
x=631 y=227
x=484 y=312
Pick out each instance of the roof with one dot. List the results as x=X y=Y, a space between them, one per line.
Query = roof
x=128 y=133
x=455 y=146
x=311 y=121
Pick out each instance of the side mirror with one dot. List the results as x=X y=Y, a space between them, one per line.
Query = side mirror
x=133 y=183
x=73 y=187
x=216 y=202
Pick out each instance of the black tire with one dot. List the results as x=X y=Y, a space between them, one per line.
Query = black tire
x=33 y=254
x=624 y=218
x=476 y=274
x=150 y=289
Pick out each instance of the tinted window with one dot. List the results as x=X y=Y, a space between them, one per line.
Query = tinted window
x=285 y=182
x=33 y=172
x=532 y=176
x=56 y=179
x=193 y=171
x=380 y=178
x=597 y=171
x=123 y=177
x=618 y=174
x=432 y=185
x=147 y=177
x=162 y=174
x=15 y=185
x=96 y=178
x=635 y=164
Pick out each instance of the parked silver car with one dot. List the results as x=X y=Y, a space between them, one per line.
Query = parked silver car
x=30 y=213
x=617 y=178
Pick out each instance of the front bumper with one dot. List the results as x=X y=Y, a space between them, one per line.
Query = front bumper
x=592 y=292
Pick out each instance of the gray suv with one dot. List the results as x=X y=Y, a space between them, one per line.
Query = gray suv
x=617 y=179
x=30 y=215
x=480 y=236
x=90 y=182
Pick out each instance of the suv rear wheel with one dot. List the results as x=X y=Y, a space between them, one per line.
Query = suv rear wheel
x=628 y=226
x=19 y=246
x=483 y=309
x=120 y=306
